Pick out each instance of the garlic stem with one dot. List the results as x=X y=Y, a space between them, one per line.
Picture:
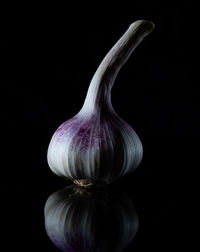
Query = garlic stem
x=99 y=92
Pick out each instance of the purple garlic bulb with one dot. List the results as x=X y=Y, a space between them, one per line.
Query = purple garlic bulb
x=96 y=145
x=90 y=221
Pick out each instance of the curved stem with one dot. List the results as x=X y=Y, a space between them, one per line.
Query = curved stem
x=99 y=92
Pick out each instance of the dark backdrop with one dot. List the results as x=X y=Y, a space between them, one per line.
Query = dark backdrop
x=48 y=57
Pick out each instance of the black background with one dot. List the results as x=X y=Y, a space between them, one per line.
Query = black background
x=48 y=57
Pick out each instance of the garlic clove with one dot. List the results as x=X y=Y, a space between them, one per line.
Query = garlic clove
x=96 y=145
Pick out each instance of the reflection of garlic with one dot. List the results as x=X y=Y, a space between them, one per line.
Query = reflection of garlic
x=96 y=144
x=80 y=221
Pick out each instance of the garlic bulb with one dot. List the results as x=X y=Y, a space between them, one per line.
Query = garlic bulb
x=96 y=144
x=82 y=221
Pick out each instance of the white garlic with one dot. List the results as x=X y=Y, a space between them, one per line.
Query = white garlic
x=96 y=144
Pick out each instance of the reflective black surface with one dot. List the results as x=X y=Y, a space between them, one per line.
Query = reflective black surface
x=90 y=220
x=47 y=61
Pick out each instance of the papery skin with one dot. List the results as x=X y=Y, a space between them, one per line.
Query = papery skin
x=97 y=144
x=90 y=222
x=100 y=151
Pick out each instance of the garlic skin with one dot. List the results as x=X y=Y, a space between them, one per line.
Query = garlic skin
x=96 y=145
